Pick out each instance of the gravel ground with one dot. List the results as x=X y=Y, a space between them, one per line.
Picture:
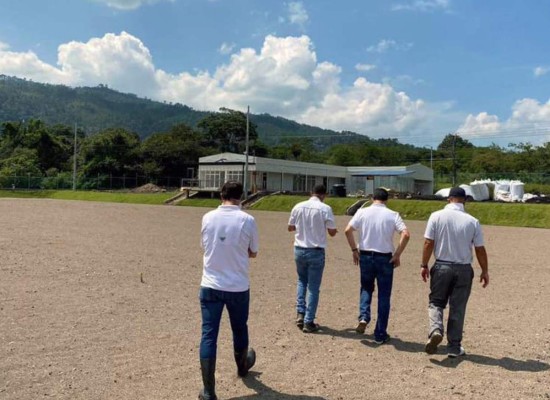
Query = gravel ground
x=99 y=301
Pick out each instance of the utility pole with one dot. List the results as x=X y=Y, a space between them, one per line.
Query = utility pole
x=74 y=159
x=454 y=159
x=245 y=177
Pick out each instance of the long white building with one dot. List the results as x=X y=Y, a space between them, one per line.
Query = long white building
x=296 y=176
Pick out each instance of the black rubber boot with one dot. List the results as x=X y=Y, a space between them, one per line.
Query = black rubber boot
x=208 y=369
x=245 y=360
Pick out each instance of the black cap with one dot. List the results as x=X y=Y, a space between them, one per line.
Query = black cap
x=457 y=192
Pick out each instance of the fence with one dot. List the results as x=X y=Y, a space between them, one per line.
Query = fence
x=99 y=182
x=446 y=180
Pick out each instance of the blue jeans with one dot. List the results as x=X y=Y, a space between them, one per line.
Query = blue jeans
x=376 y=268
x=310 y=264
x=212 y=302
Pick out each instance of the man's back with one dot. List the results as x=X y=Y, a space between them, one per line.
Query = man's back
x=454 y=232
x=376 y=225
x=227 y=235
x=311 y=219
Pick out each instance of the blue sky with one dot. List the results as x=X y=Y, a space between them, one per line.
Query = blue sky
x=408 y=69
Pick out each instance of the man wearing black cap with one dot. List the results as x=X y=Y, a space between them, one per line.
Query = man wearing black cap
x=450 y=235
x=376 y=258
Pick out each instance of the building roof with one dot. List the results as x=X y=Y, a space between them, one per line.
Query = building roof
x=382 y=172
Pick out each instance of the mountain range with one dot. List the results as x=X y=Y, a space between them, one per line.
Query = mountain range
x=100 y=107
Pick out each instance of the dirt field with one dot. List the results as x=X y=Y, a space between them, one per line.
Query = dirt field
x=76 y=322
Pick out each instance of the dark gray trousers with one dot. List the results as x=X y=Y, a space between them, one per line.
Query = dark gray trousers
x=449 y=283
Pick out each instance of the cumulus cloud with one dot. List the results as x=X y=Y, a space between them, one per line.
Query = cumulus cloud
x=540 y=71
x=283 y=77
x=385 y=45
x=423 y=6
x=4 y=46
x=226 y=48
x=364 y=67
x=529 y=121
x=297 y=14
x=127 y=4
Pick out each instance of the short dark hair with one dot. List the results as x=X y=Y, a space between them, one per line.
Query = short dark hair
x=232 y=190
x=457 y=192
x=380 y=194
x=319 y=189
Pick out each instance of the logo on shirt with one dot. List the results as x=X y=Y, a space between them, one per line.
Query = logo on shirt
x=222 y=238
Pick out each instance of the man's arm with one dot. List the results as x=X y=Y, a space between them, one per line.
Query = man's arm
x=481 y=255
x=332 y=231
x=403 y=240
x=351 y=241
x=427 y=251
x=291 y=228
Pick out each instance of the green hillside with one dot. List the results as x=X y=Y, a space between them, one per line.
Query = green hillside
x=99 y=108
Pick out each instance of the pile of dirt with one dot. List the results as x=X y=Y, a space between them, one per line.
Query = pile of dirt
x=148 y=188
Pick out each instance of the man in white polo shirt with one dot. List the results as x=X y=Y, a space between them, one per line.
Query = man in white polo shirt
x=376 y=258
x=311 y=220
x=229 y=239
x=450 y=235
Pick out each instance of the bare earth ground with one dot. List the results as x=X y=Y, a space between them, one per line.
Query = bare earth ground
x=77 y=323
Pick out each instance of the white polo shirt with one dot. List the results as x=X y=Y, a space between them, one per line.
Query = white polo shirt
x=227 y=234
x=454 y=232
x=376 y=225
x=311 y=218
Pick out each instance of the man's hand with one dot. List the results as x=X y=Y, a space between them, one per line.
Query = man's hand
x=484 y=279
x=395 y=260
x=355 y=257
x=425 y=274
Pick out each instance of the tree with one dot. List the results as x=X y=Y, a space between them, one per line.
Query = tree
x=226 y=130
x=171 y=153
x=113 y=151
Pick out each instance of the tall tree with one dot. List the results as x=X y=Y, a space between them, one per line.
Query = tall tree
x=226 y=130
x=113 y=151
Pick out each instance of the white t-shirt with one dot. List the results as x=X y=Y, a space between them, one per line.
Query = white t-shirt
x=227 y=234
x=376 y=225
x=454 y=232
x=311 y=218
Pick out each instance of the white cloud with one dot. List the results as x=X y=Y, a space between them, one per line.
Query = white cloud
x=388 y=44
x=540 y=71
x=282 y=78
x=4 y=46
x=297 y=14
x=423 y=6
x=226 y=48
x=528 y=122
x=128 y=4
x=364 y=67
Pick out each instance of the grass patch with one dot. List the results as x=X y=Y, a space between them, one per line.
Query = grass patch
x=505 y=214
x=112 y=197
x=198 y=202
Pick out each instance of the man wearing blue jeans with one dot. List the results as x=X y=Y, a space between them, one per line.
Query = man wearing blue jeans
x=229 y=238
x=311 y=220
x=450 y=235
x=376 y=259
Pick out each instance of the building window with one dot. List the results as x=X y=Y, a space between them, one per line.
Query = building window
x=236 y=176
x=212 y=179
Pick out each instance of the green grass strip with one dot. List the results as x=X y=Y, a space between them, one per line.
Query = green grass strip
x=505 y=214
x=112 y=197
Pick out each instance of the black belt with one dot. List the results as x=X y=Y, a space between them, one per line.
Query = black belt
x=309 y=248
x=374 y=253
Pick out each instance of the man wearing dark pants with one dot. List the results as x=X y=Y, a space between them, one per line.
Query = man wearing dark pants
x=450 y=235
x=229 y=239
x=376 y=258
x=310 y=220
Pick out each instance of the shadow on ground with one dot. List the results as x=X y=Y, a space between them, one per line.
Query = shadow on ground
x=507 y=363
x=265 y=392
